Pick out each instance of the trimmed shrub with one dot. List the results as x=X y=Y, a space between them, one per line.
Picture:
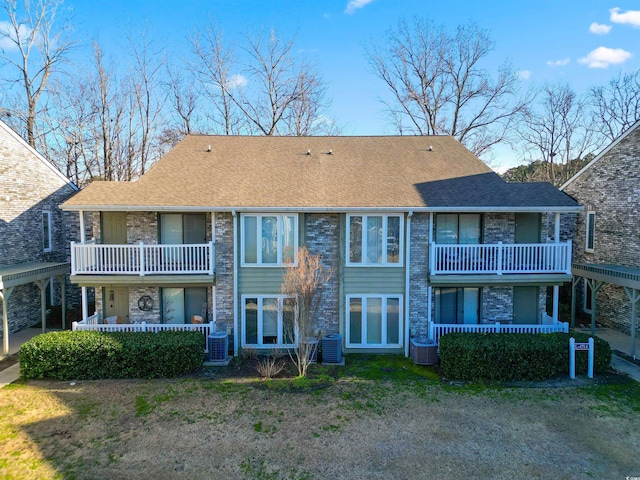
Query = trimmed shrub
x=95 y=355
x=508 y=356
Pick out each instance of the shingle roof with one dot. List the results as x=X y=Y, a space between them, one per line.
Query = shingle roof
x=338 y=172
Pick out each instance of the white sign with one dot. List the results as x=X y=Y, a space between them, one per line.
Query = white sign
x=573 y=346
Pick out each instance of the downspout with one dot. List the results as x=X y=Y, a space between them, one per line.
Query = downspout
x=556 y=288
x=214 y=316
x=235 y=282
x=83 y=239
x=430 y=253
x=407 y=273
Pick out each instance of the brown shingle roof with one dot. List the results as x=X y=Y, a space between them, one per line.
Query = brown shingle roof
x=245 y=172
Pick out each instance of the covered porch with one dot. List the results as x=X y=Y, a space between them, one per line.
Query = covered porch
x=595 y=276
x=39 y=273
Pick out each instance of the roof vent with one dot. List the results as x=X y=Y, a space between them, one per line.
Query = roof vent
x=431 y=148
x=330 y=152
x=209 y=148
x=309 y=152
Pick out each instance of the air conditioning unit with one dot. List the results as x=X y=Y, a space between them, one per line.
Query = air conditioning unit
x=423 y=351
x=217 y=344
x=332 y=348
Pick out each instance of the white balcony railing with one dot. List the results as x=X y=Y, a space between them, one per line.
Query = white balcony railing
x=92 y=324
x=141 y=259
x=436 y=330
x=499 y=258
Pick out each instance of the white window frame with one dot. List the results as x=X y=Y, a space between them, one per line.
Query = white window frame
x=385 y=237
x=590 y=215
x=279 y=262
x=47 y=238
x=280 y=326
x=364 y=298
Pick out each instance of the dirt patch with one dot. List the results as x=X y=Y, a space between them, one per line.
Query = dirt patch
x=367 y=423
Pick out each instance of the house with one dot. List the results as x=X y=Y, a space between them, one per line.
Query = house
x=34 y=236
x=607 y=250
x=422 y=238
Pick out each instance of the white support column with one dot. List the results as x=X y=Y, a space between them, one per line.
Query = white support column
x=4 y=296
x=556 y=302
x=63 y=301
x=556 y=233
x=83 y=235
x=42 y=285
x=85 y=304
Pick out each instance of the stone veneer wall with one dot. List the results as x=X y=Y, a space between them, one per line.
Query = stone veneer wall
x=496 y=304
x=28 y=187
x=224 y=224
x=142 y=227
x=135 y=314
x=418 y=275
x=499 y=227
x=611 y=188
x=322 y=237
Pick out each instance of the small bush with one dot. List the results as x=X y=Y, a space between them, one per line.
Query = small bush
x=507 y=356
x=95 y=355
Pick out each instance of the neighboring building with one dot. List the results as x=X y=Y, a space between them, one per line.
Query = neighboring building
x=34 y=235
x=607 y=248
x=422 y=238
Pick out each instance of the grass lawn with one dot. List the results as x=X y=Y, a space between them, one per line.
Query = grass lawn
x=377 y=417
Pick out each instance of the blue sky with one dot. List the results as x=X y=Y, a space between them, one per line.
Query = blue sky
x=582 y=42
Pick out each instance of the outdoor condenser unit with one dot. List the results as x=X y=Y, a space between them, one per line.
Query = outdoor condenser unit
x=217 y=343
x=332 y=348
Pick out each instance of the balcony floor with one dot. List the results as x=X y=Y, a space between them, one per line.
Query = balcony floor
x=177 y=279
x=522 y=279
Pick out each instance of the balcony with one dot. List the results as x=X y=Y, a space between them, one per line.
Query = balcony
x=499 y=259
x=94 y=259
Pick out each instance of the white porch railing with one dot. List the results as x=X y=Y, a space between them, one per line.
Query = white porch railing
x=436 y=330
x=141 y=259
x=91 y=324
x=499 y=258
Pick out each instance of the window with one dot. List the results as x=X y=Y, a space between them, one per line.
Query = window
x=269 y=240
x=179 y=229
x=374 y=321
x=465 y=228
x=374 y=240
x=268 y=321
x=591 y=228
x=47 y=238
x=457 y=305
x=180 y=304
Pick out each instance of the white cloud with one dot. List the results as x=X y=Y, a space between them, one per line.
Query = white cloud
x=354 y=5
x=237 y=81
x=524 y=74
x=631 y=17
x=559 y=63
x=599 y=28
x=603 y=57
x=8 y=36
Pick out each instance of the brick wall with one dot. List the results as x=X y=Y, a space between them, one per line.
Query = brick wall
x=224 y=224
x=611 y=188
x=322 y=237
x=418 y=275
x=27 y=188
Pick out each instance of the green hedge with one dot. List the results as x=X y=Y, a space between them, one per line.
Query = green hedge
x=94 y=355
x=508 y=356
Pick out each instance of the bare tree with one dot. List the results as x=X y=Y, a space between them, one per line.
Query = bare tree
x=213 y=67
x=38 y=48
x=147 y=102
x=558 y=131
x=617 y=105
x=275 y=93
x=183 y=100
x=305 y=283
x=439 y=86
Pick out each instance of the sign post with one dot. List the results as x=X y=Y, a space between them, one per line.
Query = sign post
x=581 y=347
